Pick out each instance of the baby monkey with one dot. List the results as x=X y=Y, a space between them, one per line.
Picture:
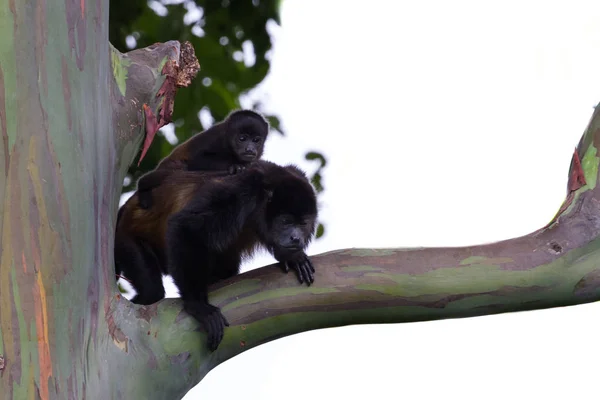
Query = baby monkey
x=229 y=146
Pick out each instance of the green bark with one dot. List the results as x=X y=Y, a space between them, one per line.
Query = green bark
x=73 y=113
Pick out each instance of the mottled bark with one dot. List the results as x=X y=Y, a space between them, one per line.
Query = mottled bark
x=73 y=113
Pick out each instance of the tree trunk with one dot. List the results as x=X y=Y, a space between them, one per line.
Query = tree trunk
x=73 y=113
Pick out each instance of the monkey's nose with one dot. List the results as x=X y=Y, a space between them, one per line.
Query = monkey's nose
x=295 y=239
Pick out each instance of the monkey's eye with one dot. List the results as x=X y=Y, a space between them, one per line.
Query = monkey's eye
x=256 y=140
x=243 y=138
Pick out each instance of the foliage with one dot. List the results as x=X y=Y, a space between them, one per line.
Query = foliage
x=221 y=32
x=316 y=180
x=232 y=45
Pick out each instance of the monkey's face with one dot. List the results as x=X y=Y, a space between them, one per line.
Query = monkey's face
x=289 y=213
x=248 y=147
x=290 y=234
x=247 y=139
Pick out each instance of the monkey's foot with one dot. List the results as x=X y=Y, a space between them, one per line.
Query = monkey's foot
x=211 y=319
x=303 y=267
x=147 y=299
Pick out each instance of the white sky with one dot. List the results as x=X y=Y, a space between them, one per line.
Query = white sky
x=444 y=123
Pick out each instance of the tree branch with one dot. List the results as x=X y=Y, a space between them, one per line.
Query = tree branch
x=551 y=267
x=143 y=91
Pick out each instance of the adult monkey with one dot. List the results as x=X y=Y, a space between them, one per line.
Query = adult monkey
x=229 y=146
x=205 y=223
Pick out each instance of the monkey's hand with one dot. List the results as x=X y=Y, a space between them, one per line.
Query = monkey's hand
x=211 y=319
x=236 y=169
x=303 y=267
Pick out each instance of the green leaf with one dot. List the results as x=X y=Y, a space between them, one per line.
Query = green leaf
x=275 y=123
x=320 y=231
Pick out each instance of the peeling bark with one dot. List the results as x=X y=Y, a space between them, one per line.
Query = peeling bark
x=73 y=114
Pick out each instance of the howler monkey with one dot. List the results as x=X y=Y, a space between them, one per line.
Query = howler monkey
x=204 y=223
x=229 y=146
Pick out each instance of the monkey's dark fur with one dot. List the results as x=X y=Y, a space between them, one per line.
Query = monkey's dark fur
x=226 y=146
x=201 y=226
